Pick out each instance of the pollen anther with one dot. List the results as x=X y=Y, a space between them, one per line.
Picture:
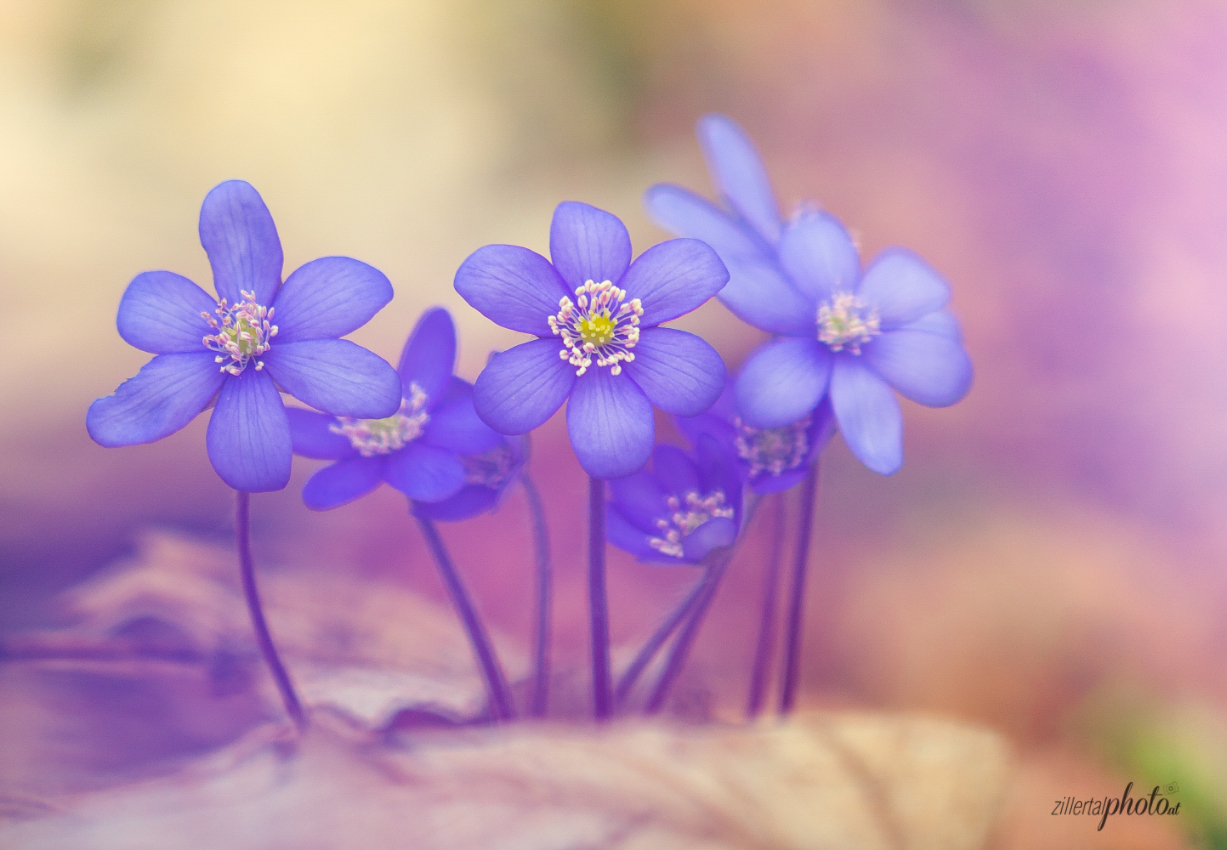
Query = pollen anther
x=598 y=324
x=372 y=437
x=844 y=322
x=685 y=518
x=244 y=331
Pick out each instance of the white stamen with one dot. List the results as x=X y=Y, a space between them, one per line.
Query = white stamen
x=773 y=450
x=597 y=322
x=244 y=332
x=845 y=322
x=683 y=520
x=373 y=437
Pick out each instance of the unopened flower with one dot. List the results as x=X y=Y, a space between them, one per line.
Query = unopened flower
x=681 y=510
x=855 y=335
x=596 y=315
x=239 y=351
x=431 y=449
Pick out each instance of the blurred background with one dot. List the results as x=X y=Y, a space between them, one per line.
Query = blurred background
x=1050 y=560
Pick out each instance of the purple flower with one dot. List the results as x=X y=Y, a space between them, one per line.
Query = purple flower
x=240 y=351
x=681 y=510
x=596 y=316
x=770 y=460
x=852 y=334
x=420 y=449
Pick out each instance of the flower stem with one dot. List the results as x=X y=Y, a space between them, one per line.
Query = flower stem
x=491 y=671
x=539 y=703
x=766 y=628
x=242 y=532
x=602 y=704
x=656 y=641
x=796 y=600
x=681 y=646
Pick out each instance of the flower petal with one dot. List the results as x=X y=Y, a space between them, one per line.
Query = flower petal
x=903 y=287
x=819 y=255
x=168 y=392
x=928 y=368
x=425 y=472
x=627 y=536
x=512 y=286
x=521 y=388
x=239 y=236
x=160 y=313
x=868 y=415
x=343 y=482
x=675 y=471
x=469 y=502
x=312 y=435
x=718 y=470
x=456 y=426
x=673 y=278
x=678 y=371
x=429 y=356
x=639 y=499
x=940 y=322
x=610 y=423
x=588 y=244
x=738 y=173
x=328 y=298
x=782 y=382
x=336 y=376
x=716 y=532
x=249 y=434
x=765 y=483
x=757 y=291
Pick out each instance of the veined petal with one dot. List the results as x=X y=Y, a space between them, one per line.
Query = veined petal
x=678 y=371
x=610 y=423
x=521 y=388
x=424 y=472
x=164 y=396
x=868 y=415
x=738 y=173
x=782 y=382
x=239 y=236
x=312 y=435
x=429 y=356
x=757 y=291
x=513 y=287
x=456 y=426
x=902 y=287
x=249 y=434
x=673 y=278
x=819 y=255
x=588 y=244
x=639 y=498
x=342 y=482
x=928 y=368
x=469 y=502
x=160 y=313
x=674 y=470
x=336 y=376
x=328 y=298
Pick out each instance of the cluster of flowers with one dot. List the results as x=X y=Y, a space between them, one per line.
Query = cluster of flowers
x=844 y=341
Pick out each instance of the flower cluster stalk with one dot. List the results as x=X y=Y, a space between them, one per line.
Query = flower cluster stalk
x=796 y=599
x=539 y=701
x=602 y=702
x=658 y=639
x=766 y=630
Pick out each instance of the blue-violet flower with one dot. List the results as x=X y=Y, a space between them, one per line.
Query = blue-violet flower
x=853 y=334
x=239 y=351
x=596 y=316
x=422 y=449
x=680 y=510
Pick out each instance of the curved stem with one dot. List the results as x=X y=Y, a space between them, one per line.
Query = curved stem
x=656 y=641
x=796 y=599
x=681 y=647
x=491 y=671
x=766 y=627
x=602 y=704
x=539 y=702
x=242 y=533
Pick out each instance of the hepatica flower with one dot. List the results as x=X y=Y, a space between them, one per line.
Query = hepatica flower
x=238 y=351
x=433 y=448
x=596 y=316
x=680 y=510
x=770 y=460
x=857 y=335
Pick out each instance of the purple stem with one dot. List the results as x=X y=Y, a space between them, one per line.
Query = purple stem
x=491 y=671
x=242 y=531
x=766 y=628
x=796 y=600
x=539 y=704
x=656 y=641
x=602 y=704
x=681 y=646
